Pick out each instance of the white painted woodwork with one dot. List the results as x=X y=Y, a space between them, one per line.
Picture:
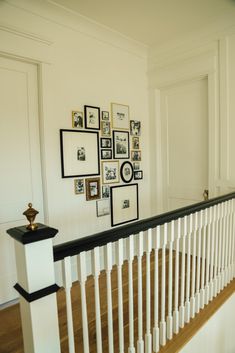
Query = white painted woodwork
x=202 y=290
x=119 y=254
x=223 y=247
x=182 y=283
x=156 y=246
x=140 y=251
x=163 y=284
x=197 y=296
x=211 y=286
x=220 y=248
x=193 y=279
x=176 y=286
x=130 y=256
x=187 y=301
x=169 y=325
x=108 y=268
x=148 y=335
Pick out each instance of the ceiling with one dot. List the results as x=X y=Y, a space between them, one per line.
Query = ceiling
x=152 y=21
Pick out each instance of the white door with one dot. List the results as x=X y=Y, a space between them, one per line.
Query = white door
x=184 y=116
x=20 y=176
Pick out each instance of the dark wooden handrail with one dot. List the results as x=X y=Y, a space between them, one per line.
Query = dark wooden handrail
x=75 y=247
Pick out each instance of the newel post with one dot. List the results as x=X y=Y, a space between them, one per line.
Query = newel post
x=37 y=288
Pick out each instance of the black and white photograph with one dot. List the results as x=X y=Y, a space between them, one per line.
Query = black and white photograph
x=135 y=143
x=92 y=117
x=121 y=145
x=105 y=115
x=126 y=172
x=125 y=203
x=92 y=189
x=136 y=156
x=105 y=128
x=105 y=191
x=79 y=186
x=77 y=119
x=138 y=174
x=120 y=116
x=105 y=142
x=136 y=165
x=106 y=154
x=135 y=128
x=102 y=208
x=81 y=154
x=110 y=172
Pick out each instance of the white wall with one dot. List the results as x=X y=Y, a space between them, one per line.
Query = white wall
x=217 y=335
x=80 y=63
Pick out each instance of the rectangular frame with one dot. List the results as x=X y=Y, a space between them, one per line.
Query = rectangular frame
x=89 y=196
x=70 y=142
x=107 y=180
x=108 y=143
x=104 y=152
x=120 y=116
x=102 y=207
x=95 y=112
x=116 y=153
x=124 y=204
x=138 y=174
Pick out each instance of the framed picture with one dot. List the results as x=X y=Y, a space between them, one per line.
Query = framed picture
x=138 y=174
x=135 y=143
x=124 y=204
x=106 y=154
x=105 y=191
x=102 y=207
x=79 y=186
x=77 y=119
x=110 y=172
x=120 y=116
x=136 y=165
x=136 y=156
x=121 y=145
x=135 y=128
x=105 y=115
x=79 y=153
x=126 y=172
x=105 y=128
x=92 y=189
x=92 y=117
x=105 y=142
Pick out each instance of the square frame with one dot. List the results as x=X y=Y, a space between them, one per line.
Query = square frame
x=121 y=148
x=92 y=117
x=71 y=141
x=105 y=142
x=110 y=172
x=92 y=189
x=136 y=156
x=106 y=153
x=120 y=116
x=138 y=174
x=124 y=204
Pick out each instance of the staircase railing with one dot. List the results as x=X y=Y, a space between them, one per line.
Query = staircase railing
x=190 y=253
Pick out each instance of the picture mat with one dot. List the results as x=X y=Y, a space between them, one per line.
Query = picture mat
x=117 y=123
x=118 y=195
x=103 y=207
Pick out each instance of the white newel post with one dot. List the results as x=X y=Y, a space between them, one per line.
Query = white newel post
x=37 y=288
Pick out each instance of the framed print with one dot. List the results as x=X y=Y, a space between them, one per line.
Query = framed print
x=77 y=119
x=102 y=207
x=92 y=189
x=126 y=172
x=92 y=117
x=135 y=143
x=105 y=115
x=105 y=128
x=124 y=204
x=136 y=156
x=106 y=154
x=121 y=145
x=105 y=191
x=136 y=165
x=110 y=172
x=120 y=116
x=135 y=128
x=105 y=142
x=138 y=174
x=79 y=186
x=79 y=153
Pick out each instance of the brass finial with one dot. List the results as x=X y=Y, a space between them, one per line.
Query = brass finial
x=30 y=214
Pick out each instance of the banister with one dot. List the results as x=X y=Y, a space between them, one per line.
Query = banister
x=75 y=247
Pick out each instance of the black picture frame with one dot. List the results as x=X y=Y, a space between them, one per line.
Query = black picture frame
x=127 y=172
x=103 y=153
x=118 y=145
x=103 y=142
x=138 y=174
x=70 y=142
x=95 y=111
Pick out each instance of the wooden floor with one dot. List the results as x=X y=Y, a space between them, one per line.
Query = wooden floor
x=10 y=326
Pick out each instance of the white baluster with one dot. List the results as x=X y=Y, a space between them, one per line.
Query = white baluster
x=194 y=238
x=211 y=283
x=148 y=335
x=230 y=242
x=176 y=297
x=67 y=282
x=233 y=233
x=187 y=302
x=82 y=276
x=202 y=290
x=163 y=289
x=216 y=252
x=95 y=257
x=220 y=238
x=156 y=244
x=226 y=242
x=182 y=284
x=223 y=247
x=208 y=256
x=119 y=253
x=108 y=268
x=170 y=269
x=130 y=256
x=197 y=297
x=140 y=342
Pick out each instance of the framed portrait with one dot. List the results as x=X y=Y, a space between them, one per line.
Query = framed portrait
x=126 y=172
x=135 y=128
x=121 y=145
x=105 y=191
x=79 y=153
x=135 y=143
x=124 y=204
x=105 y=142
x=138 y=174
x=120 y=116
x=136 y=165
x=106 y=154
x=105 y=128
x=92 y=189
x=79 y=186
x=136 y=156
x=110 y=172
x=102 y=207
x=105 y=115
x=77 y=120
x=92 y=117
